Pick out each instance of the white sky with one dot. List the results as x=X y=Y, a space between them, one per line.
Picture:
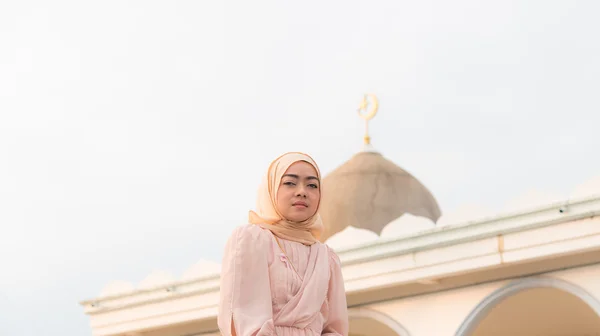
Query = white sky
x=133 y=134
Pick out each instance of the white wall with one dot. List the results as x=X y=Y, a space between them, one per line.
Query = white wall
x=442 y=313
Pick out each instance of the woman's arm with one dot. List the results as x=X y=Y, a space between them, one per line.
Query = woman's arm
x=337 y=319
x=245 y=307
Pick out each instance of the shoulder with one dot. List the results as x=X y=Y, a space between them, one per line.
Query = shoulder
x=248 y=246
x=250 y=231
x=333 y=257
x=250 y=236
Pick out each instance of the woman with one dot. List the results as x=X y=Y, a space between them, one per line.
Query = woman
x=277 y=278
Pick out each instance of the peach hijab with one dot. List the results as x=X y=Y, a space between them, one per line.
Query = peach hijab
x=267 y=216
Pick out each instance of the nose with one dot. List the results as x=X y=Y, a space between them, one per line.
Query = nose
x=301 y=191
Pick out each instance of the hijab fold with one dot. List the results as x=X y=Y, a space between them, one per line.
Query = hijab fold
x=268 y=217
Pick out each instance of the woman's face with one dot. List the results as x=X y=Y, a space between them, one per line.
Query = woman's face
x=299 y=192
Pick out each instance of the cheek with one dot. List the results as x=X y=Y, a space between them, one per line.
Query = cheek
x=283 y=197
x=314 y=200
x=284 y=193
x=315 y=197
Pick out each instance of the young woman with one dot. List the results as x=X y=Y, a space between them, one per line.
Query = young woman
x=277 y=278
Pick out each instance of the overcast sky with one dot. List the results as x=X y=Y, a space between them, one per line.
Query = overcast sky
x=133 y=134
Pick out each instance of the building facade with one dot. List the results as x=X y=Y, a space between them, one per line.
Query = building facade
x=408 y=269
x=530 y=272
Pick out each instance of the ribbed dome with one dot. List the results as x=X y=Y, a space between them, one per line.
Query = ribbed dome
x=368 y=192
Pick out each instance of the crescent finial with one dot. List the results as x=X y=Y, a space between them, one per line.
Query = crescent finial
x=368 y=100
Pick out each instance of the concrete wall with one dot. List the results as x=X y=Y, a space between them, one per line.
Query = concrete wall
x=442 y=313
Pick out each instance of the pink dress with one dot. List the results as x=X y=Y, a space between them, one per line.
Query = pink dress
x=264 y=295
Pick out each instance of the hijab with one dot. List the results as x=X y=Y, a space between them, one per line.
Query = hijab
x=268 y=217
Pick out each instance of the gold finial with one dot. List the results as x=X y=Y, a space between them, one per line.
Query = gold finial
x=370 y=113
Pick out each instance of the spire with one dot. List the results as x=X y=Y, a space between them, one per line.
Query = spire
x=369 y=105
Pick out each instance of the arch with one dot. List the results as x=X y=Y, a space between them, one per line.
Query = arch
x=513 y=288
x=379 y=318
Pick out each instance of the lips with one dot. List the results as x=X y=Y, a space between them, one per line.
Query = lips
x=301 y=204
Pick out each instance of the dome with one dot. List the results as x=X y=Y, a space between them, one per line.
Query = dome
x=350 y=237
x=369 y=192
x=589 y=188
x=116 y=288
x=156 y=279
x=464 y=214
x=201 y=269
x=405 y=225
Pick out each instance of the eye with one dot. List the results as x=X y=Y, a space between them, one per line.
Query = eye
x=289 y=183
x=313 y=186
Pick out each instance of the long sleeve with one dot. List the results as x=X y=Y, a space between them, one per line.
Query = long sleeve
x=245 y=292
x=337 y=319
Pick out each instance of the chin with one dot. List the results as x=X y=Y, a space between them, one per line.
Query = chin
x=297 y=219
x=296 y=215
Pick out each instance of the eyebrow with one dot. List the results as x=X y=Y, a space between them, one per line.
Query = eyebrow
x=297 y=177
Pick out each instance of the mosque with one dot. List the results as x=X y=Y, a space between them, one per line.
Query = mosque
x=533 y=269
